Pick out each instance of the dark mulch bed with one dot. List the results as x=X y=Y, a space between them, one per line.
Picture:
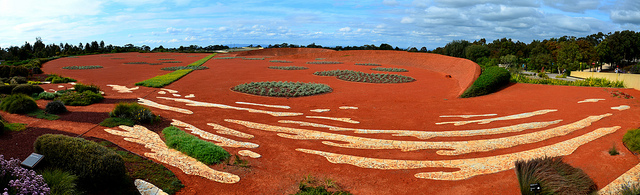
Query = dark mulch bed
x=20 y=144
x=84 y=117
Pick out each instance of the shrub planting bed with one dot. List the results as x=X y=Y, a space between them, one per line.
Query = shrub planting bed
x=134 y=112
x=18 y=104
x=17 y=180
x=81 y=67
x=390 y=69
x=356 y=76
x=491 y=80
x=280 y=61
x=202 y=61
x=324 y=62
x=288 y=67
x=74 y=98
x=588 y=82
x=282 y=89
x=59 y=79
x=163 y=80
x=206 y=152
x=27 y=89
x=368 y=64
x=174 y=68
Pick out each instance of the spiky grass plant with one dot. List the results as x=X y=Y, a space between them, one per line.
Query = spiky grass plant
x=554 y=177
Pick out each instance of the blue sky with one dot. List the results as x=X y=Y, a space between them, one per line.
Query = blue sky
x=418 y=23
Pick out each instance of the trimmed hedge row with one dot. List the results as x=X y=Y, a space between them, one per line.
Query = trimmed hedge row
x=95 y=165
x=174 y=68
x=204 y=151
x=390 y=69
x=202 y=61
x=163 y=80
x=491 y=79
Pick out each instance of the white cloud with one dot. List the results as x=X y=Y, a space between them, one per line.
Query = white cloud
x=407 y=20
x=345 y=29
x=24 y=9
x=173 y=41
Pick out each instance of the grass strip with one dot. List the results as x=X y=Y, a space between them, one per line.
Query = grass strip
x=204 y=151
x=164 y=80
x=202 y=61
x=41 y=114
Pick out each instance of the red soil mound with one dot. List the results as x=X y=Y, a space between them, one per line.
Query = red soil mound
x=281 y=51
x=463 y=70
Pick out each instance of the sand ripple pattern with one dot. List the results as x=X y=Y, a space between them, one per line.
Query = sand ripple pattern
x=188 y=165
x=346 y=120
x=468 y=167
x=510 y=117
x=123 y=89
x=264 y=105
x=628 y=178
x=224 y=130
x=432 y=134
x=467 y=116
x=221 y=141
x=457 y=147
x=163 y=107
x=205 y=104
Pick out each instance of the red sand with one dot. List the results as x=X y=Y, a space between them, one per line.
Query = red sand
x=409 y=106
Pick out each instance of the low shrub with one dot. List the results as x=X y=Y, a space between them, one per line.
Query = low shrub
x=324 y=62
x=631 y=139
x=12 y=71
x=491 y=80
x=59 y=79
x=27 y=89
x=282 y=89
x=18 y=80
x=34 y=82
x=588 y=82
x=55 y=107
x=163 y=80
x=253 y=58
x=390 y=69
x=60 y=182
x=630 y=189
x=356 y=76
x=72 y=98
x=81 y=67
x=174 y=68
x=82 y=88
x=202 y=61
x=95 y=165
x=312 y=186
x=204 y=151
x=134 y=112
x=543 y=75
x=6 y=89
x=41 y=114
x=18 y=104
x=554 y=177
x=136 y=63
x=166 y=59
x=117 y=121
x=280 y=61
x=46 y=95
x=368 y=64
x=288 y=67
x=613 y=151
x=170 y=62
x=17 y=180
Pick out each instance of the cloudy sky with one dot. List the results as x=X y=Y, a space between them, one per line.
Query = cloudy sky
x=418 y=23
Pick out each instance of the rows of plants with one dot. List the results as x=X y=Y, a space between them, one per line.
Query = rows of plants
x=356 y=76
x=324 y=62
x=280 y=61
x=288 y=67
x=163 y=80
x=81 y=67
x=202 y=61
x=225 y=58
x=162 y=59
x=174 y=68
x=204 y=151
x=390 y=69
x=253 y=58
x=368 y=64
x=282 y=89
x=490 y=80
x=588 y=82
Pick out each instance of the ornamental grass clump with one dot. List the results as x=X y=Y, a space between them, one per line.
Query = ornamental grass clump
x=554 y=177
x=491 y=80
x=60 y=181
x=74 y=98
x=55 y=107
x=324 y=62
x=204 y=151
x=390 y=69
x=631 y=139
x=288 y=67
x=46 y=95
x=18 y=104
x=17 y=180
x=282 y=89
x=134 y=112
x=82 y=88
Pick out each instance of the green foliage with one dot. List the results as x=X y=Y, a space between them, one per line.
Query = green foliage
x=72 y=98
x=324 y=62
x=55 y=107
x=368 y=64
x=456 y=48
x=588 y=82
x=312 y=186
x=134 y=112
x=631 y=139
x=491 y=80
x=226 y=58
x=475 y=52
x=18 y=80
x=288 y=67
x=34 y=82
x=282 y=89
x=82 y=88
x=356 y=76
x=204 y=151
x=390 y=69
x=46 y=95
x=253 y=58
x=95 y=165
x=613 y=151
x=630 y=189
x=18 y=104
x=117 y=121
x=12 y=71
x=172 y=62
x=509 y=60
x=166 y=59
x=43 y=115
x=61 y=182
x=81 y=67
x=174 y=68
x=202 y=61
x=59 y=79
x=554 y=177
x=163 y=80
x=6 y=89
x=27 y=89
x=14 y=126
x=280 y=61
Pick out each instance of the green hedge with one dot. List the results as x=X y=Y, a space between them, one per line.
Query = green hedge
x=588 y=82
x=6 y=89
x=206 y=152
x=163 y=80
x=18 y=104
x=202 y=61
x=491 y=80
x=95 y=165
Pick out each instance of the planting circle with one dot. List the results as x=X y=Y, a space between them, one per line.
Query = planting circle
x=282 y=89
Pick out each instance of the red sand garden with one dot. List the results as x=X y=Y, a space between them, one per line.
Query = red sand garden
x=369 y=138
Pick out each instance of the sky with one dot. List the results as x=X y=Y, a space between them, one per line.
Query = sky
x=418 y=23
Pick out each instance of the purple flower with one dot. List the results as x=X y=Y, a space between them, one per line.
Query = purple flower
x=23 y=181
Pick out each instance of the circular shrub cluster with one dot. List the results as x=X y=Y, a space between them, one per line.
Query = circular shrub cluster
x=27 y=89
x=324 y=62
x=282 y=89
x=81 y=67
x=18 y=104
x=55 y=107
x=46 y=95
x=390 y=69
x=355 y=76
x=368 y=64
x=288 y=67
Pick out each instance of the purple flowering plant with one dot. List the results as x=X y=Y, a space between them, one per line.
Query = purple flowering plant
x=20 y=181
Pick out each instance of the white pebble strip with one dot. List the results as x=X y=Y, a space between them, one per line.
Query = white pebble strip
x=511 y=117
x=348 y=107
x=176 y=95
x=264 y=105
x=320 y=110
x=346 y=120
x=249 y=154
x=169 y=90
x=162 y=92
x=146 y=188
x=205 y=104
x=628 y=178
x=221 y=141
x=224 y=130
x=163 y=107
x=620 y=108
x=190 y=96
x=123 y=89
x=590 y=100
x=467 y=116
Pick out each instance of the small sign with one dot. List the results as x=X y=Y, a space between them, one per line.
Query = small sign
x=535 y=187
x=32 y=160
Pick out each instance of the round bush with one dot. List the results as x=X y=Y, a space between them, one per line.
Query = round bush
x=18 y=104
x=95 y=165
x=82 y=88
x=632 y=140
x=46 y=95
x=134 y=112
x=18 y=80
x=282 y=89
x=27 y=89
x=6 y=89
x=491 y=80
x=55 y=107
